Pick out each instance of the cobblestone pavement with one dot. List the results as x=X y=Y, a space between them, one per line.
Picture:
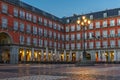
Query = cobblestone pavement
x=59 y=72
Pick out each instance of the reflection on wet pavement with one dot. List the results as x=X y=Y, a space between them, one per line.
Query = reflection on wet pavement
x=60 y=72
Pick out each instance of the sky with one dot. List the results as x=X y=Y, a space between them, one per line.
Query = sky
x=66 y=8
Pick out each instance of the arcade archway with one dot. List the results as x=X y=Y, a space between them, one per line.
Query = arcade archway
x=5 y=41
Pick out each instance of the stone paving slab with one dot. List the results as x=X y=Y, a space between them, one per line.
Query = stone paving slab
x=38 y=77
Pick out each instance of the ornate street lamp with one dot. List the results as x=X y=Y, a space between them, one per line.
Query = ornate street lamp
x=84 y=22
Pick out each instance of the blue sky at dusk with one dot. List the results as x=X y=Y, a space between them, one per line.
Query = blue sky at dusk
x=62 y=8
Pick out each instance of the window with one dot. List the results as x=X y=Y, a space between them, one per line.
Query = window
x=91 y=35
x=78 y=27
x=62 y=46
x=67 y=29
x=34 y=41
x=54 y=35
x=97 y=44
x=105 y=33
x=91 y=16
x=72 y=46
x=112 y=33
x=34 y=19
x=78 y=46
x=67 y=46
x=28 y=28
x=50 y=24
x=40 y=31
x=72 y=37
x=112 y=43
x=22 y=14
x=91 y=26
x=97 y=33
x=45 y=43
x=105 y=44
x=22 y=27
x=67 y=37
x=55 y=26
x=72 y=28
x=21 y=39
x=118 y=21
x=28 y=40
x=78 y=36
x=118 y=32
x=58 y=36
x=15 y=25
x=34 y=30
x=40 y=20
x=28 y=16
x=50 y=43
x=50 y=34
x=118 y=43
x=91 y=45
x=59 y=27
x=62 y=37
x=112 y=22
x=118 y=12
x=45 y=22
x=67 y=20
x=4 y=22
x=40 y=42
x=104 y=15
x=55 y=44
x=104 y=23
x=97 y=24
x=15 y=12
x=4 y=8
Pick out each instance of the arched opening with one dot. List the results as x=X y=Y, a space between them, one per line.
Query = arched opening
x=5 y=40
x=39 y=56
x=6 y=56
x=49 y=56
x=88 y=56
x=73 y=57
x=62 y=57
x=28 y=55
x=96 y=55
x=106 y=56
x=112 y=56
x=21 y=55
x=67 y=57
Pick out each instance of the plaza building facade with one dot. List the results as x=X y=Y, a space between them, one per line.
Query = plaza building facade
x=30 y=34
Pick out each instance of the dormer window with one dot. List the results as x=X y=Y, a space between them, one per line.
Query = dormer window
x=91 y=16
x=68 y=20
x=104 y=15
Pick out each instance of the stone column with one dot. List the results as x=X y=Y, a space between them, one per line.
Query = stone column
x=115 y=55
x=64 y=55
x=32 y=54
x=92 y=53
x=47 y=53
x=78 y=56
x=70 y=56
x=42 y=55
x=14 y=51
x=99 y=56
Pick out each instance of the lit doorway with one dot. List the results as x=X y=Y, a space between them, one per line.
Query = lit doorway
x=28 y=55
x=73 y=57
x=112 y=56
x=21 y=55
x=62 y=57
x=67 y=57
x=96 y=56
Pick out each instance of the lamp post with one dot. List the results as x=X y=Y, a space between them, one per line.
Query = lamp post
x=83 y=22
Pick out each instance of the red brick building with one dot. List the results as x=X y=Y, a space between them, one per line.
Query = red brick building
x=30 y=34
